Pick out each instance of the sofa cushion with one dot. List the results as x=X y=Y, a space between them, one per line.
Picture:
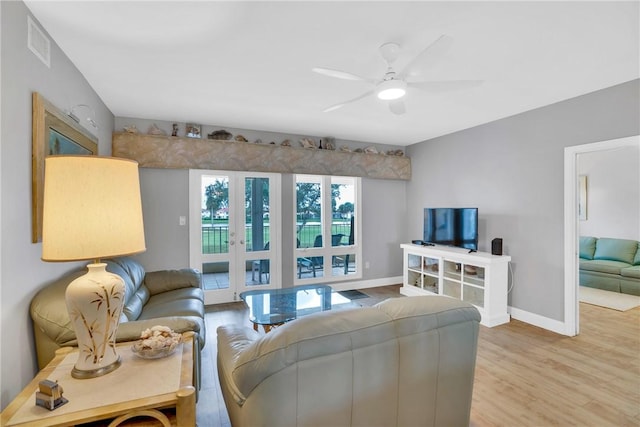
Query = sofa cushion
x=603 y=266
x=134 y=305
x=616 y=250
x=162 y=281
x=631 y=272
x=131 y=272
x=178 y=294
x=587 y=247
x=636 y=260
x=159 y=307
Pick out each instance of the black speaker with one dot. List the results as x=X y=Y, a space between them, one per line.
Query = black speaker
x=496 y=246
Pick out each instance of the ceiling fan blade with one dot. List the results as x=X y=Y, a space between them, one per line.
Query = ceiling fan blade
x=397 y=106
x=428 y=56
x=445 y=86
x=340 y=74
x=340 y=105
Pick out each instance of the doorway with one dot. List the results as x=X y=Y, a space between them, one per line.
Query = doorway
x=234 y=231
x=571 y=231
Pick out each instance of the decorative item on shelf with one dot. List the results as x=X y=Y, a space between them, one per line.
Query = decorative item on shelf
x=320 y=144
x=307 y=143
x=358 y=150
x=345 y=149
x=286 y=143
x=49 y=395
x=131 y=129
x=257 y=141
x=329 y=143
x=398 y=153
x=193 y=130
x=470 y=270
x=241 y=138
x=371 y=150
x=174 y=131
x=272 y=143
x=220 y=135
x=92 y=209
x=155 y=130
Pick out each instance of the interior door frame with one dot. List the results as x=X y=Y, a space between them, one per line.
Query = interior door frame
x=571 y=231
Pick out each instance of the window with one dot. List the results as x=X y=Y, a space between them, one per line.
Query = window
x=327 y=211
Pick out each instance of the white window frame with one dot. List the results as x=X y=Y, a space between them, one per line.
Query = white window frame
x=328 y=251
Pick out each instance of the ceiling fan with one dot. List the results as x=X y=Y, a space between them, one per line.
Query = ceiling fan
x=394 y=85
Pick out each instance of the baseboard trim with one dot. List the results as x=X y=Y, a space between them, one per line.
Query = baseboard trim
x=539 y=321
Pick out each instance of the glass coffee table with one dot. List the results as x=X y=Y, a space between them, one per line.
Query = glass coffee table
x=274 y=307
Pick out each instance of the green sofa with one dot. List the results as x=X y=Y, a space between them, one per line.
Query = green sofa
x=610 y=264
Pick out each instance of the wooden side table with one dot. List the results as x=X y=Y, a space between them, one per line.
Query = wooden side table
x=137 y=388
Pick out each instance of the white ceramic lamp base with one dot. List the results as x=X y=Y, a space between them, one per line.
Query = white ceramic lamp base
x=95 y=302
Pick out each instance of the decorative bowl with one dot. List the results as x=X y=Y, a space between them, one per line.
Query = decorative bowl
x=153 y=353
x=156 y=342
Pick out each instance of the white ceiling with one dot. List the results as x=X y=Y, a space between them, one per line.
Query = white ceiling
x=248 y=64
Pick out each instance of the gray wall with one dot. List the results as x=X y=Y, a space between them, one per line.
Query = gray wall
x=613 y=193
x=22 y=272
x=512 y=170
x=165 y=197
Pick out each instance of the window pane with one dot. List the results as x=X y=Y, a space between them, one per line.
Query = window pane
x=309 y=267
x=260 y=274
x=309 y=211
x=256 y=201
x=343 y=205
x=215 y=214
x=215 y=275
x=343 y=265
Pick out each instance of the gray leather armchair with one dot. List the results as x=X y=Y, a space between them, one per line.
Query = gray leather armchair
x=404 y=362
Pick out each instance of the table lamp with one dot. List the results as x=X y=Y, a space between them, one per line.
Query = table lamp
x=92 y=210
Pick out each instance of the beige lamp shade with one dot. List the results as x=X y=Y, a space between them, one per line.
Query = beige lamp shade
x=92 y=208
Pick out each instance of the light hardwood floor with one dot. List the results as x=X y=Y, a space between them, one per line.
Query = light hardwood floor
x=525 y=376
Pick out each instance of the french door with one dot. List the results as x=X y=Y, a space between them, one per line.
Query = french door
x=234 y=229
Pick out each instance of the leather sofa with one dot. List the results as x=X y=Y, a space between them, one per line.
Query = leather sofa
x=404 y=362
x=172 y=298
x=610 y=264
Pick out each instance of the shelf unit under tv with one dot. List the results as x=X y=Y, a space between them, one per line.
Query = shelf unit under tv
x=479 y=278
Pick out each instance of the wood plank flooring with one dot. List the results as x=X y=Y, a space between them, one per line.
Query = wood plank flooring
x=525 y=376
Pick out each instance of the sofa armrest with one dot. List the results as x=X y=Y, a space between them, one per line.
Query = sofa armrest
x=168 y=280
x=232 y=341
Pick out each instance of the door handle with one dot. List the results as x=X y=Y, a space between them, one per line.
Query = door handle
x=242 y=242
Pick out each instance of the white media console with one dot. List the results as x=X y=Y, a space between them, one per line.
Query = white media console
x=479 y=278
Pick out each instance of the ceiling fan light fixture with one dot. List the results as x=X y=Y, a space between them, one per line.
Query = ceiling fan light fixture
x=389 y=90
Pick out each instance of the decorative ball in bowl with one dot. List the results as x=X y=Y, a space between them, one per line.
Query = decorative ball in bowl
x=156 y=342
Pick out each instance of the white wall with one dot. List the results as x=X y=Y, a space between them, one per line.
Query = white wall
x=512 y=170
x=613 y=193
x=22 y=272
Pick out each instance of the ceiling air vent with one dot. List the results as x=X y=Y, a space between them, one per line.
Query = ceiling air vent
x=38 y=42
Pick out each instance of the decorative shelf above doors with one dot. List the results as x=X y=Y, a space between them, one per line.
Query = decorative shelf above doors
x=153 y=151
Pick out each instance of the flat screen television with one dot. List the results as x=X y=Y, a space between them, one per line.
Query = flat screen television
x=451 y=227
